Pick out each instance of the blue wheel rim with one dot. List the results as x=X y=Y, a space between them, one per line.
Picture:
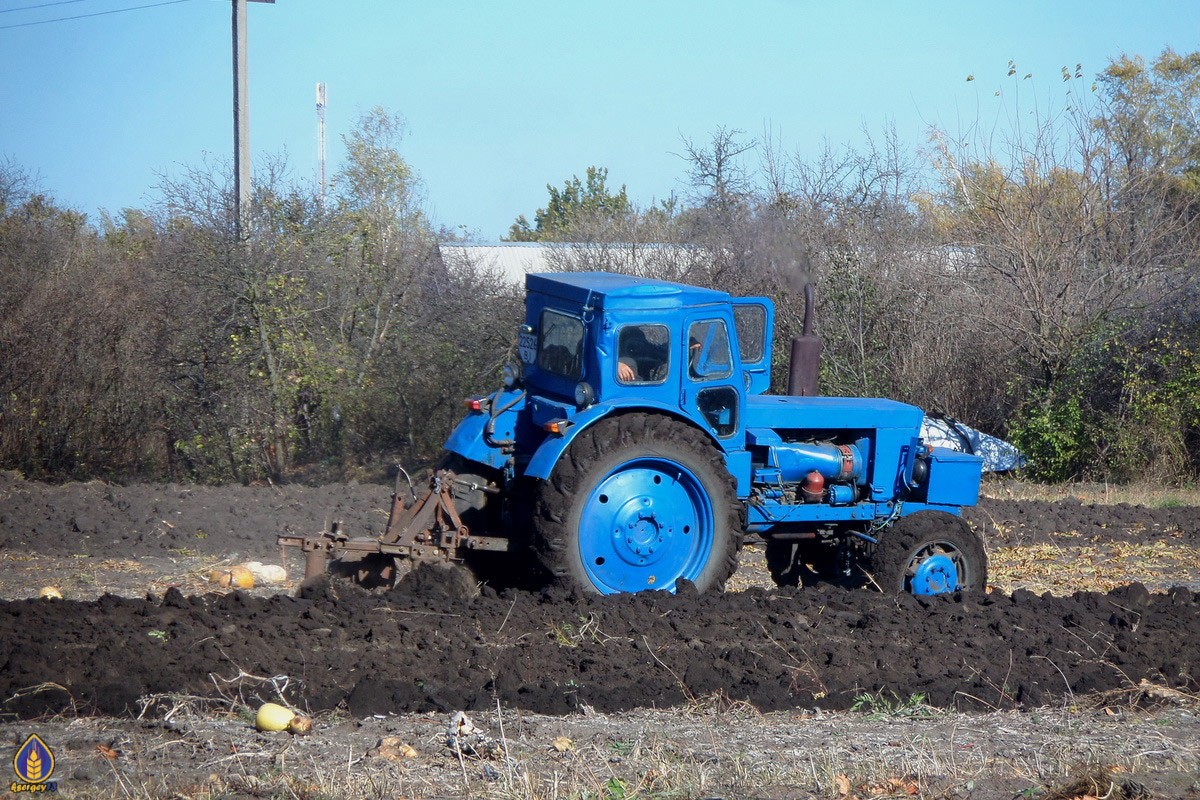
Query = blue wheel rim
x=936 y=568
x=646 y=524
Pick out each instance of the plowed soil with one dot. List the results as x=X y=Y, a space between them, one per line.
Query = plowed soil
x=430 y=647
x=428 y=652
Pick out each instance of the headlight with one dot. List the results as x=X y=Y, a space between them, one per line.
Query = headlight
x=512 y=375
x=920 y=471
x=585 y=395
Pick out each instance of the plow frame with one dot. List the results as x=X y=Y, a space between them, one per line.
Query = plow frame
x=429 y=528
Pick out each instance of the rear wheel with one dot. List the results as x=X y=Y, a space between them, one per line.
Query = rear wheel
x=930 y=552
x=482 y=511
x=638 y=501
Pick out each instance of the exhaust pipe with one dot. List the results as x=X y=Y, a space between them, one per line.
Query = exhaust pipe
x=805 y=366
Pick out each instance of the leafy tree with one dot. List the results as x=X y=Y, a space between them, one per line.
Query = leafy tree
x=1058 y=235
x=1041 y=281
x=78 y=323
x=1152 y=119
x=1072 y=236
x=577 y=205
x=232 y=355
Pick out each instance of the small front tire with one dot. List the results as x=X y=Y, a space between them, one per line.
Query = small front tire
x=929 y=552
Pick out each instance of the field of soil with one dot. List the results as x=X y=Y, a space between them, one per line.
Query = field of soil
x=1081 y=663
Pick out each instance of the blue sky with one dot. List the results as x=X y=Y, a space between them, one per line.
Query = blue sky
x=502 y=98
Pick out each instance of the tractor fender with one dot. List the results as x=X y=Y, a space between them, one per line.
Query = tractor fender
x=486 y=438
x=548 y=453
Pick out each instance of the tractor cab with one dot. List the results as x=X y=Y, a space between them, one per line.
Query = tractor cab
x=596 y=340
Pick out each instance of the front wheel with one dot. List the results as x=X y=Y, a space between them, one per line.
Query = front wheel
x=929 y=552
x=637 y=502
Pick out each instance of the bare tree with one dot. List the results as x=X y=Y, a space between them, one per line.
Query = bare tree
x=716 y=171
x=1055 y=235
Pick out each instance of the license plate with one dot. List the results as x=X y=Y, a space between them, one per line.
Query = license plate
x=527 y=346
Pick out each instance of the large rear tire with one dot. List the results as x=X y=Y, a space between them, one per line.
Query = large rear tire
x=638 y=501
x=929 y=552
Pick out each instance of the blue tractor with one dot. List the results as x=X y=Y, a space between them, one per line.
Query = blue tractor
x=635 y=446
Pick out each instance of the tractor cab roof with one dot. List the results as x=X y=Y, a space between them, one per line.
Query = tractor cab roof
x=608 y=290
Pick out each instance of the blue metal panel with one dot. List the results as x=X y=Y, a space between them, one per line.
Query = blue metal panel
x=763 y=517
x=953 y=477
x=775 y=513
x=738 y=464
x=892 y=458
x=467 y=441
x=762 y=437
x=544 y=409
x=609 y=291
x=830 y=413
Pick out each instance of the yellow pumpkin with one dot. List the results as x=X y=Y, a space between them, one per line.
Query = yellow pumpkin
x=273 y=717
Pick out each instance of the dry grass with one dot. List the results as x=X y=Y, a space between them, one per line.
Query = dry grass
x=1151 y=495
x=709 y=751
x=1072 y=563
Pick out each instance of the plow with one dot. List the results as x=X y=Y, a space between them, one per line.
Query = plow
x=427 y=527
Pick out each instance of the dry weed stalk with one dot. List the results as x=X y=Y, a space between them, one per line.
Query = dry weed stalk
x=279 y=685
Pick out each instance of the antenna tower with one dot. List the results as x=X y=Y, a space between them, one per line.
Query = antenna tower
x=321 y=140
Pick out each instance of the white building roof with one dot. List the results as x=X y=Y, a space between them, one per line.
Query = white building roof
x=514 y=260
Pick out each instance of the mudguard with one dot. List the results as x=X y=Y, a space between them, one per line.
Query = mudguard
x=547 y=455
x=478 y=435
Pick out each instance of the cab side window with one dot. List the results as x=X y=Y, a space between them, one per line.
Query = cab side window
x=643 y=354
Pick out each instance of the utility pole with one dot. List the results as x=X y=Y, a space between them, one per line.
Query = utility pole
x=241 y=120
x=321 y=140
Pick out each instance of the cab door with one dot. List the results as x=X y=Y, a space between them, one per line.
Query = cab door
x=754 y=319
x=711 y=382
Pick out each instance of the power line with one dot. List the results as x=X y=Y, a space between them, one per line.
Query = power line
x=97 y=14
x=43 y=5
